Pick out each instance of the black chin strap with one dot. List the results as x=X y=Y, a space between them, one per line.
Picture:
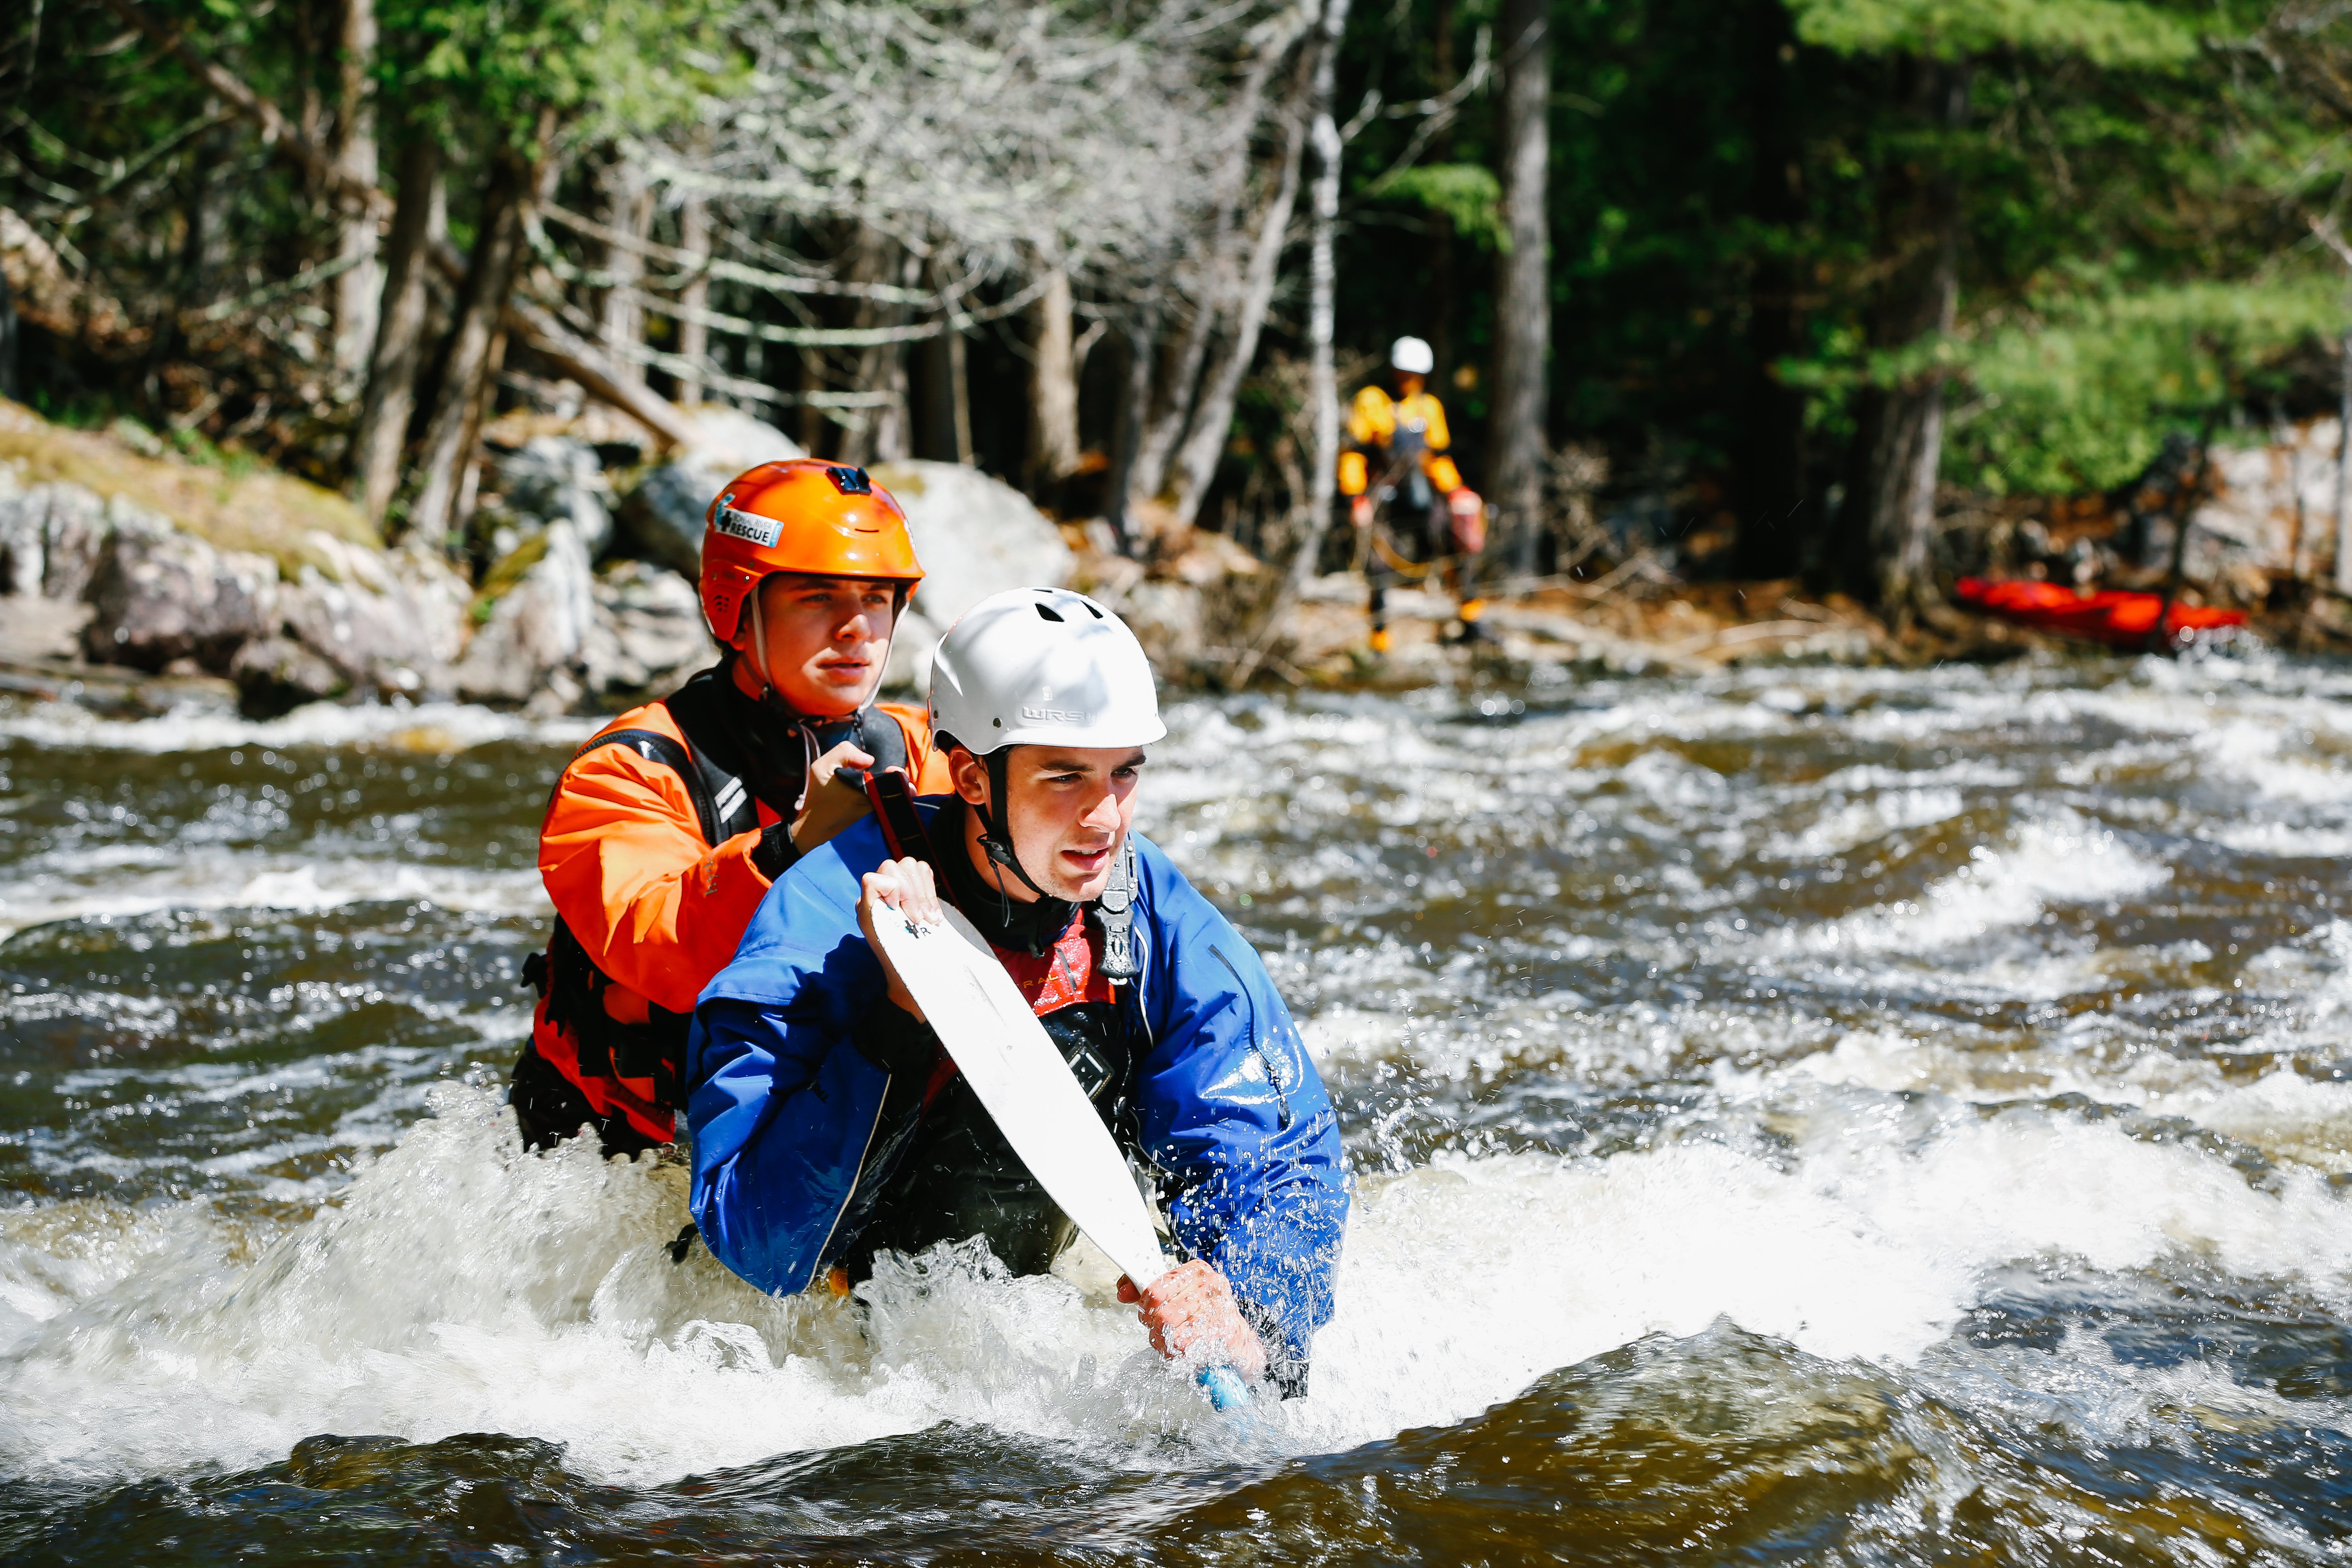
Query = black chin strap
x=996 y=840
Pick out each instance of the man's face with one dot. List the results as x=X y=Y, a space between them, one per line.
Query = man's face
x=1408 y=384
x=827 y=639
x=1070 y=807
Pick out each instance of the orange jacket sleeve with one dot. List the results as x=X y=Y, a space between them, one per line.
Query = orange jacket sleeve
x=622 y=854
x=623 y=858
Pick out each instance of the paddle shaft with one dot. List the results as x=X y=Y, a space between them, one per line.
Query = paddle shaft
x=1012 y=1065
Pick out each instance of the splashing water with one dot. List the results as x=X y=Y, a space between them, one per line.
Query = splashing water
x=1860 y=1114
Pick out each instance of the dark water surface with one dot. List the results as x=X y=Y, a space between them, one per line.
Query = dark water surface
x=1799 y=1116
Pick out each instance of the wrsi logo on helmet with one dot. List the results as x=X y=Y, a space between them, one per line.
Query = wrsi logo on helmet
x=803 y=516
x=1047 y=666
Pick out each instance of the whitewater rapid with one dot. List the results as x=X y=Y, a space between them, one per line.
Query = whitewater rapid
x=1848 y=1009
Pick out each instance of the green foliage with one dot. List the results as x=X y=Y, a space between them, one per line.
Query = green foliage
x=596 y=69
x=1469 y=196
x=2080 y=395
x=2107 y=32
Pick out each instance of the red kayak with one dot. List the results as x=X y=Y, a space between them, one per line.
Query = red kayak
x=2116 y=617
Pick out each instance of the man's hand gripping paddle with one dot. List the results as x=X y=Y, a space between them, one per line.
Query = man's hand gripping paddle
x=1005 y=1054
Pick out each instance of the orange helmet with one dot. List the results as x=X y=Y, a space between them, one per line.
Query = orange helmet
x=801 y=515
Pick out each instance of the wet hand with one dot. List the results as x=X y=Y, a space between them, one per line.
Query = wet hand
x=1359 y=511
x=831 y=803
x=898 y=889
x=1193 y=1318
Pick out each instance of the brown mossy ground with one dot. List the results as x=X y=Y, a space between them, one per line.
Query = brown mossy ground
x=231 y=504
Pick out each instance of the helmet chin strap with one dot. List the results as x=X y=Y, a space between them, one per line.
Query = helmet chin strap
x=760 y=643
x=997 y=838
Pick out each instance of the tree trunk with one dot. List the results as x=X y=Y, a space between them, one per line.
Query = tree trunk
x=1162 y=420
x=1053 y=443
x=869 y=263
x=1164 y=424
x=1137 y=340
x=1522 y=298
x=629 y=209
x=892 y=422
x=1322 y=377
x=7 y=340
x=1778 y=519
x=693 y=336
x=960 y=398
x=1889 y=534
x=2344 y=468
x=1195 y=462
x=358 y=286
x=390 y=401
x=482 y=312
x=1439 y=325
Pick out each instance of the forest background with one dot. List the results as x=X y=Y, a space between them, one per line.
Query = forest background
x=1763 y=288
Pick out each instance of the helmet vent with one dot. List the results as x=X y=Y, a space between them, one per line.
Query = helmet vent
x=1094 y=609
x=852 y=481
x=1047 y=612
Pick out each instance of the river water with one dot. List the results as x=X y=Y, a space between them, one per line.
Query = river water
x=1797 y=1115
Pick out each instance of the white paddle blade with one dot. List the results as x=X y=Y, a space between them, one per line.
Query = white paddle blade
x=1005 y=1053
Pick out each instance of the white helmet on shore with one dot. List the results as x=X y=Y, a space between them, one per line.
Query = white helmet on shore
x=1412 y=356
x=1042 y=666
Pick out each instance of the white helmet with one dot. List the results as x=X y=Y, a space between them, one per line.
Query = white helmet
x=1412 y=356
x=1042 y=665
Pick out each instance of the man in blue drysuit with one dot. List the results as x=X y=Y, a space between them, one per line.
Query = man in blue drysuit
x=829 y=1125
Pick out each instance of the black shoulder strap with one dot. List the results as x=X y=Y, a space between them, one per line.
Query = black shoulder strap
x=659 y=747
x=694 y=707
x=882 y=737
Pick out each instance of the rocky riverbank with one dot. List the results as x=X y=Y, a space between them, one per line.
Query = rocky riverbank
x=133 y=575
x=137 y=578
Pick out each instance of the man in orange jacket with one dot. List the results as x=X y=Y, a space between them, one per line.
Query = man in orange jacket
x=666 y=828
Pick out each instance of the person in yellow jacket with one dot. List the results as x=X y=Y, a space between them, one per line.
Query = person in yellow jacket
x=1396 y=453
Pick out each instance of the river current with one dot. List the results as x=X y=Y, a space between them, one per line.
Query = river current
x=1796 y=1115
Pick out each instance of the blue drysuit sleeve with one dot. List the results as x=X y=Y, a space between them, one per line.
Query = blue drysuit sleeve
x=780 y=1105
x=1235 y=1115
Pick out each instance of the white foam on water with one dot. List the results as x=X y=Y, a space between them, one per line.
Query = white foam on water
x=1857 y=822
x=461 y=1286
x=2281 y=839
x=145 y=881
x=2054 y=860
x=431 y=729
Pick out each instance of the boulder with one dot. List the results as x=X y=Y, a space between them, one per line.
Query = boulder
x=158 y=595
x=49 y=538
x=381 y=628
x=276 y=675
x=442 y=600
x=21 y=556
x=537 y=609
x=556 y=478
x=1169 y=620
x=648 y=635
x=974 y=535
x=2266 y=507
x=664 y=515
